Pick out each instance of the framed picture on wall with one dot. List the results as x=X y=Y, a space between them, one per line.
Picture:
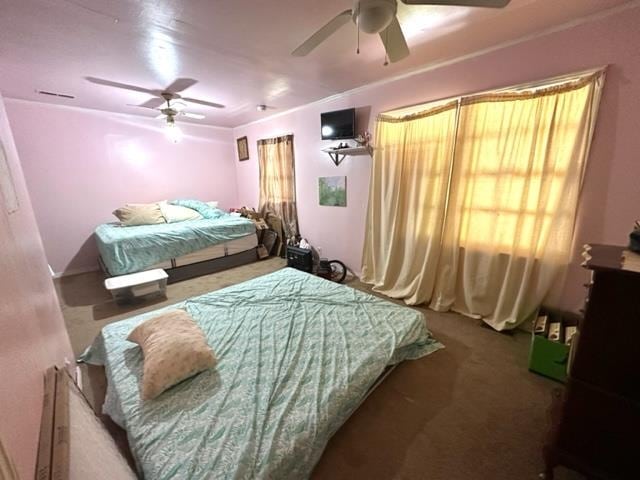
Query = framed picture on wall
x=332 y=191
x=243 y=149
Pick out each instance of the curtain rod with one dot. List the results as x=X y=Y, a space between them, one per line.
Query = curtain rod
x=274 y=137
x=277 y=135
x=533 y=84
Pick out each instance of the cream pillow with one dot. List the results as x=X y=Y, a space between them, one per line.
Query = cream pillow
x=174 y=349
x=176 y=213
x=139 y=214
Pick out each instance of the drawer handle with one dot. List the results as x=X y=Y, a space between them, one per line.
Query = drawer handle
x=563 y=361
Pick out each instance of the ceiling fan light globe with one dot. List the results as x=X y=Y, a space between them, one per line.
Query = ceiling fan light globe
x=373 y=16
x=173 y=132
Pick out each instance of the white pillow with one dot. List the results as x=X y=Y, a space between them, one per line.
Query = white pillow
x=213 y=204
x=176 y=213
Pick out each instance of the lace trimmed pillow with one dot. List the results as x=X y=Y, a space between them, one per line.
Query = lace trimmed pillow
x=174 y=349
x=204 y=209
x=176 y=213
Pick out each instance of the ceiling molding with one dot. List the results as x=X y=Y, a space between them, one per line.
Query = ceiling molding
x=434 y=66
x=96 y=111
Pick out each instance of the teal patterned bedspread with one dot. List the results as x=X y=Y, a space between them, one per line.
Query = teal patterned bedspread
x=132 y=249
x=296 y=356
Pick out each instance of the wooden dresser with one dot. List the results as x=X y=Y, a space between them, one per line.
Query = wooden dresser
x=596 y=418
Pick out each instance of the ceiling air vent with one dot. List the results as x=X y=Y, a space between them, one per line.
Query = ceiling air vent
x=54 y=94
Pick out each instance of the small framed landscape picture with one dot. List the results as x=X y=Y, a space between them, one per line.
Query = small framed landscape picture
x=332 y=191
x=243 y=149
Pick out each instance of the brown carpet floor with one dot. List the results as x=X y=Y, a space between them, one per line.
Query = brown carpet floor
x=469 y=411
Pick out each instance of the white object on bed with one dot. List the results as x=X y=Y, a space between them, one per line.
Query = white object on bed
x=177 y=213
x=213 y=203
x=125 y=287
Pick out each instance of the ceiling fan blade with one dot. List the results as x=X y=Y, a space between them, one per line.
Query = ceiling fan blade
x=394 y=41
x=461 y=3
x=152 y=103
x=202 y=102
x=157 y=117
x=180 y=84
x=125 y=86
x=321 y=35
x=197 y=116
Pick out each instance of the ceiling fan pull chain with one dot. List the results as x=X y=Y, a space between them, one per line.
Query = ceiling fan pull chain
x=386 y=42
x=358 y=28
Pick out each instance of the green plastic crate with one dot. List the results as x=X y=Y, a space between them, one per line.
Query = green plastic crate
x=548 y=358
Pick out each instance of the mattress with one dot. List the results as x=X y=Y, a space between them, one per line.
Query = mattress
x=296 y=356
x=238 y=245
x=132 y=249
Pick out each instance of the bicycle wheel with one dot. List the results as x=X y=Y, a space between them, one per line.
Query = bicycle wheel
x=338 y=271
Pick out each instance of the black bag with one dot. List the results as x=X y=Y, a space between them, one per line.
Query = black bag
x=634 y=240
x=300 y=258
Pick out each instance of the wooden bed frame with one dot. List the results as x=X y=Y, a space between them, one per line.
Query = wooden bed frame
x=74 y=442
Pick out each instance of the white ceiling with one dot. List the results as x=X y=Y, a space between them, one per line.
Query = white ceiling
x=238 y=50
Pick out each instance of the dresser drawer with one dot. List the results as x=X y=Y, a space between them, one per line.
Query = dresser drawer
x=601 y=427
x=608 y=353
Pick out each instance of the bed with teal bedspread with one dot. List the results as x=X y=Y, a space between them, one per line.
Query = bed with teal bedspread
x=132 y=249
x=297 y=354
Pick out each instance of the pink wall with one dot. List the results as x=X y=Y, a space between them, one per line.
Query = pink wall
x=80 y=165
x=32 y=331
x=611 y=194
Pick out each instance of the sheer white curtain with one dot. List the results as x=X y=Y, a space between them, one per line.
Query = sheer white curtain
x=409 y=181
x=506 y=221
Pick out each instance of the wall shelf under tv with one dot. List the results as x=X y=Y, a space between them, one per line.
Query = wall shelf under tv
x=339 y=154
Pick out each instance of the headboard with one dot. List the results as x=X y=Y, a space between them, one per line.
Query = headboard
x=74 y=443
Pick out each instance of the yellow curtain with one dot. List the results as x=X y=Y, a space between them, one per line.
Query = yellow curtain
x=479 y=216
x=518 y=168
x=408 y=192
x=278 y=181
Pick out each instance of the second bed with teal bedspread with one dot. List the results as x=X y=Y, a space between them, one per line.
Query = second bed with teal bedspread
x=297 y=355
x=132 y=249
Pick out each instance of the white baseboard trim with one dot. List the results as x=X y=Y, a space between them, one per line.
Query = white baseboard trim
x=75 y=271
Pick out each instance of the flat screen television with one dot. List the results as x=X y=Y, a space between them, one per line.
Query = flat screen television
x=338 y=125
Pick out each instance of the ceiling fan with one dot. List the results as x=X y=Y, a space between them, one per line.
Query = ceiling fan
x=379 y=16
x=174 y=108
x=171 y=95
x=175 y=103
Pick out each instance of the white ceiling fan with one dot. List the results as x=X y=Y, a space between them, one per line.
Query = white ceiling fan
x=174 y=108
x=379 y=16
x=175 y=103
x=171 y=95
